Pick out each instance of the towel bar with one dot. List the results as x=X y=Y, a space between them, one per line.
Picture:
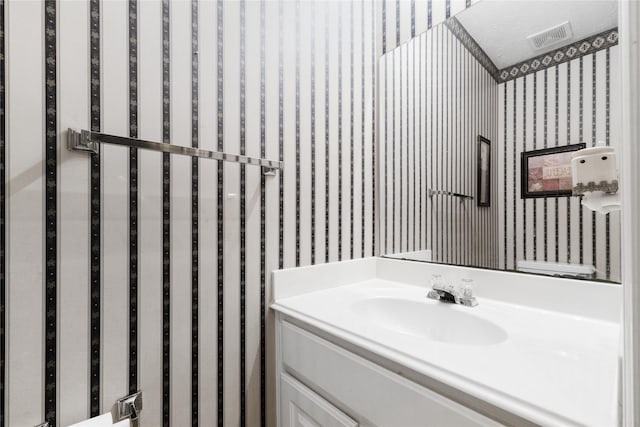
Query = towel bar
x=88 y=141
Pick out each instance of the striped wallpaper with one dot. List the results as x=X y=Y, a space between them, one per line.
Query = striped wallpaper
x=576 y=101
x=136 y=270
x=401 y=20
x=435 y=99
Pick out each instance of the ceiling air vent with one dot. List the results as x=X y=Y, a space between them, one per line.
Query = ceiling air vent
x=551 y=36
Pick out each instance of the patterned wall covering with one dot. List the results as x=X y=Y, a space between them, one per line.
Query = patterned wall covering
x=559 y=56
x=575 y=101
x=172 y=286
x=435 y=99
x=401 y=20
x=136 y=270
x=472 y=46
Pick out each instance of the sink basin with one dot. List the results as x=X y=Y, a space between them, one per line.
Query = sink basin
x=436 y=321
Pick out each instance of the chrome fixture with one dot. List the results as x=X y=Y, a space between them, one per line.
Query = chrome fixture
x=463 y=197
x=462 y=294
x=128 y=407
x=89 y=142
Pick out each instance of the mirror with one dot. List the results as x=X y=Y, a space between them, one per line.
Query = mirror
x=461 y=106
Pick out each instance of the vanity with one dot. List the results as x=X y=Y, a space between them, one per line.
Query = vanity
x=358 y=343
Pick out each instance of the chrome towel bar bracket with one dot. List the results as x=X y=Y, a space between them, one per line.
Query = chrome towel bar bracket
x=88 y=141
x=128 y=407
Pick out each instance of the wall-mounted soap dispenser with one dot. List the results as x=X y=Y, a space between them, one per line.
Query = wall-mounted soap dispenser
x=595 y=178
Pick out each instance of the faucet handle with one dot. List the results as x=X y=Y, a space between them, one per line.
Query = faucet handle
x=437 y=282
x=467 y=287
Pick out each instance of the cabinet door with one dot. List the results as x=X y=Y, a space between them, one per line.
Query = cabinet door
x=301 y=407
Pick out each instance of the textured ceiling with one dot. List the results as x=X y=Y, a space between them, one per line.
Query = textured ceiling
x=501 y=27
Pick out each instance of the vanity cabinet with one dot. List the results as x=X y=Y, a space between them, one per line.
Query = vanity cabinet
x=323 y=384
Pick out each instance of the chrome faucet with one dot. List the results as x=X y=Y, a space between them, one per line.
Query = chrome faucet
x=462 y=295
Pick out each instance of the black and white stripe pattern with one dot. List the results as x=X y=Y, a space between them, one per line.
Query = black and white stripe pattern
x=220 y=213
x=413 y=18
x=439 y=57
x=165 y=329
x=545 y=142
x=409 y=155
x=297 y=113
x=351 y=130
x=362 y=131
x=524 y=148
x=577 y=90
x=95 y=244
x=581 y=133
x=281 y=129
x=327 y=123
x=340 y=142
x=384 y=26
x=312 y=50
x=133 y=197
x=166 y=216
x=3 y=212
x=513 y=171
x=504 y=175
x=431 y=97
x=402 y=142
x=594 y=235
x=400 y=20
x=422 y=161
x=51 y=215
x=416 y=223
x=473 y=47
x=557 y=142
x=374 y=162
x=568 y=112
x=263 y=224
x=398 y=23
x=535 y=138
x=393 y=156
x=195 y=219
x=243 y=215
x=385 y=207
x=608 y=142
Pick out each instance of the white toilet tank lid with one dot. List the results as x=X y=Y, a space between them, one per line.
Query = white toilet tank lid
x=555 y=267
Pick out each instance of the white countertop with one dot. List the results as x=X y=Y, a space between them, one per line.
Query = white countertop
x=550 y=366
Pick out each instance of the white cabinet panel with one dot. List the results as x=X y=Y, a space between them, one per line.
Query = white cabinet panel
x=301 y=407
x=373 y=394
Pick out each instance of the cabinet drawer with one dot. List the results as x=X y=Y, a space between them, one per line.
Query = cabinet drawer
x=372 y=394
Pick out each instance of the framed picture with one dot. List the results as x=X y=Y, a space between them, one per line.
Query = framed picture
x=547 y=172
x=484 y=171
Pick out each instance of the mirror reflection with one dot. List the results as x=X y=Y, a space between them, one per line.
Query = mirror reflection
x=478 y=119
